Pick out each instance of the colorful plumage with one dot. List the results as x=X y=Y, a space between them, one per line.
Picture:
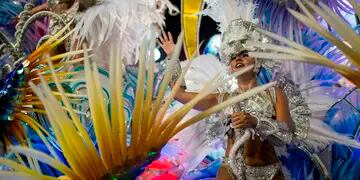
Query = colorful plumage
x=18 y=101
x=114 y=157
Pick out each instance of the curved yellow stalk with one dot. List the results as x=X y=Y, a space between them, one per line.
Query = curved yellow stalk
x=120 y=104
x=37 y=128
x=23 y=176
x=46 y=159
x=17 y=167
x=139 y=102
x=166 y=79
x=145 y=128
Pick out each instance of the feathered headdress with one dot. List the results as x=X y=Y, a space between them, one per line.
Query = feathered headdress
x=237 y=24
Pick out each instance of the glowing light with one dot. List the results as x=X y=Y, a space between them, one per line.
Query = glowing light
x=157 y=54
x=213 y=45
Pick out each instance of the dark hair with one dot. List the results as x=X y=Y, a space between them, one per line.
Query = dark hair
x=85 y=4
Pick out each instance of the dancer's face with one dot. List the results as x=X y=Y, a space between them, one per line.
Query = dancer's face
x=241 y=61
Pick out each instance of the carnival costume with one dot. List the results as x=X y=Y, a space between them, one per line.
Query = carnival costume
x=113 y=153
x=310 y=102
x=106 y=136
x=237 y=24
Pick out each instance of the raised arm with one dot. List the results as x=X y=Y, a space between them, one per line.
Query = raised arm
x=207 y=102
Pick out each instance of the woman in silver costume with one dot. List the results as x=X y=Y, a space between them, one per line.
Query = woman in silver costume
x=264 y=112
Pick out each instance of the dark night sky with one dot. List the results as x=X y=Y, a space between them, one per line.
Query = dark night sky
x=207 y=28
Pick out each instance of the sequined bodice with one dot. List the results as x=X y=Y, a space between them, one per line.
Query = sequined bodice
x=261 y=105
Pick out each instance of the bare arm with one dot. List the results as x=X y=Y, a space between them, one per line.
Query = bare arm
x=282 y=108
x=207 y=102
x=39 y=8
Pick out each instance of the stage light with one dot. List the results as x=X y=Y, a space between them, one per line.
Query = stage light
x=213 y=45
x=157 y=54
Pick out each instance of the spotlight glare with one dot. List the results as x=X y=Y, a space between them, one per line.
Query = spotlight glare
x=157 y=54
x=213 y=45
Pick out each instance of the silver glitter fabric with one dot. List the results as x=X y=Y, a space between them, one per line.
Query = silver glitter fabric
x=214 y=129
x=253 y=173
x=263 y=172
x=234 y=40
x=299 y=110
x=276 y=132
x=176 y=72
x=260 y=106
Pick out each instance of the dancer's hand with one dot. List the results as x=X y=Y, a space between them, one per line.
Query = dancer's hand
x=167 y=43
x=243 y=120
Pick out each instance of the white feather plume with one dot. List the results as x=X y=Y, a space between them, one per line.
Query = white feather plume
x=224 y=11
x=114 y=21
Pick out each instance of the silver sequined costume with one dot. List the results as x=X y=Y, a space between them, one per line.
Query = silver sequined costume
x=261 y=106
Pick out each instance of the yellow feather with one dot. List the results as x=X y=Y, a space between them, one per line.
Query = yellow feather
x=17 y=167
x=138 y=106
x=149 y=93
x=44 y=158
x=23 y=176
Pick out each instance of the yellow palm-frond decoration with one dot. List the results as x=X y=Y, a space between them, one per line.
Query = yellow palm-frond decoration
x=149 y=130
x=348 y=41
x=24 y=100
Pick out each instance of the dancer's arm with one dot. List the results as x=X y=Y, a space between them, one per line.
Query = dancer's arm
x=41 y=7
x=168 y=45
x=207 y=102
x=282 y=108
x=278 y=132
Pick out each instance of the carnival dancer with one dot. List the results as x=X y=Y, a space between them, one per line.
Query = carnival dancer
x=270 y=106
x=277 y=116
